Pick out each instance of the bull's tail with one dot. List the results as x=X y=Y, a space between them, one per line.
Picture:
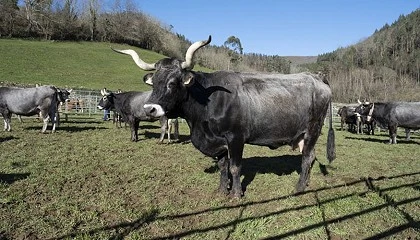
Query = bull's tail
x=331 y=138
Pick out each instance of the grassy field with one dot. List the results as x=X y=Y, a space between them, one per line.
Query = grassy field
x=83 y=65
x=88 y=181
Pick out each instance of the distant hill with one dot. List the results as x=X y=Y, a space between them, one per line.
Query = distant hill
x=383 y=67
x=298 y=60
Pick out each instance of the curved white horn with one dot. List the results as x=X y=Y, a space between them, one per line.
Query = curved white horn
x=188 y=64
x=143 y=65
x=359 y=102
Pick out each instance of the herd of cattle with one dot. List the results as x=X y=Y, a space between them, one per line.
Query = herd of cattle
x=225 y=110
x=390 y=115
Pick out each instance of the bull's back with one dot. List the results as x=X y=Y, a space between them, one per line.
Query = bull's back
x=273 y=109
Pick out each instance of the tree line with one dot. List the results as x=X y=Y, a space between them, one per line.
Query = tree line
x=383 y=67
x=121 y=22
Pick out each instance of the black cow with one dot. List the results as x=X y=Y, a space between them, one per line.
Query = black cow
x=392 y=115
x=226 y=110
x=349 y=116
x=130 y=106
x=41 y=100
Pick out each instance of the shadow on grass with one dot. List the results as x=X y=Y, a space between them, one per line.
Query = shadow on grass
x=123 y=229
x=151 y=135
x=10 y=178
x=69 y=128
x=279 y=165
x=5 y=139
x=400 y=140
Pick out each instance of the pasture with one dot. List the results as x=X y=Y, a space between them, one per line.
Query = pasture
x=88 y=181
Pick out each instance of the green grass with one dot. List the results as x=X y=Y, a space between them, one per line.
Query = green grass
x=88 y=181
x=83 y=65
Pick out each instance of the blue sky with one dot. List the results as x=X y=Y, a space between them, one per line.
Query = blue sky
x=279 y=27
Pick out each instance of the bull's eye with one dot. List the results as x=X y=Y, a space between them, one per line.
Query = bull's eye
x=171 y=85
x=104 y=98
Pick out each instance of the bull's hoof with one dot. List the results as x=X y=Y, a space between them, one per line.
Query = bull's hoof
x=236 y=195
x=223 y=191
x=159 y=142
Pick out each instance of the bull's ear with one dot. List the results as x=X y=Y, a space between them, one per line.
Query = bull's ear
x=148 y=79
x=188 y=79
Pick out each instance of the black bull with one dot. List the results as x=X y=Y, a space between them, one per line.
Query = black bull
x=226 y=110
x=393 y=115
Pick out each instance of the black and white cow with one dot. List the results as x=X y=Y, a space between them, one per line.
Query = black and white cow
x=392 y=115
x=42 y=100
x=226 y=110
x=130 y=106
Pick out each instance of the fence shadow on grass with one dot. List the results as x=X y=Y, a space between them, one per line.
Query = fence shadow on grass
x=124 y=228
x=10 y=178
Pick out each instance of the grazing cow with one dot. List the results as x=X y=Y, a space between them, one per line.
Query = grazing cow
x=41 y=100
x=226 y=110
x=392 y=115
x=130 y=106
x=349 y=116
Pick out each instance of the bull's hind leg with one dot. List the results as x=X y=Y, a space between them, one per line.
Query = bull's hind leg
x=308 y=156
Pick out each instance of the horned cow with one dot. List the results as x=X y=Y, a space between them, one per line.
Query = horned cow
x=226 y=110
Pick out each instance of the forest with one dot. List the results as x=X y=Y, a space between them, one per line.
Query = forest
x=383 y=67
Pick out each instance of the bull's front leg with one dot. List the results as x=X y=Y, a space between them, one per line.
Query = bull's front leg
x=223 y=165
x=235 y=161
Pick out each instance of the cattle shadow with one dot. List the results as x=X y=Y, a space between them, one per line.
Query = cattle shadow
x=279 y=165
x=151 y=135
x=5 y=139
x=10 y=178
x=68 y=128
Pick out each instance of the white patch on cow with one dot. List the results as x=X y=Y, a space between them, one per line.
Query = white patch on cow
x=100 y=107
x=157 y=110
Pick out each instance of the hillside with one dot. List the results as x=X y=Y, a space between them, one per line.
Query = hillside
x=383 y=67
x=81 y=65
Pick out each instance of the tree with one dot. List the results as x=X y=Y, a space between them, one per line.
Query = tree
x=8 y=12
x=235 y=49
